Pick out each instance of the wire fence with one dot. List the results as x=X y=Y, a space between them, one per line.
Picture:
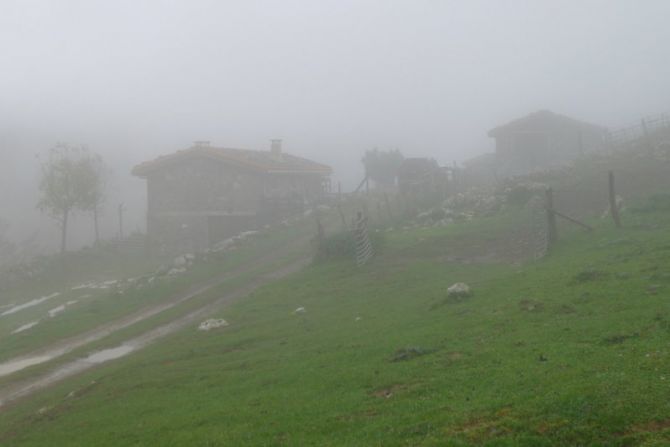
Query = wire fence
x=642 y=131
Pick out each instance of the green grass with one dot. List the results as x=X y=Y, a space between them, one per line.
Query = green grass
x=570 y=350
x=107 y=305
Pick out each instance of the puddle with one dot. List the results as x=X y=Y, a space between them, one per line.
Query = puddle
x=56 y=310
x=94 y=358
x=96 y=285
x=25 y=327
x=30 y=303
x=18 y=365
x=109 y=354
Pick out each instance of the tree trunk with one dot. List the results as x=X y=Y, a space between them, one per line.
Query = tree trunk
x=95 y=225
x=63 y=240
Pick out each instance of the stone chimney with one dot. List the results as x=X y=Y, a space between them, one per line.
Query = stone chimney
x=275 y=147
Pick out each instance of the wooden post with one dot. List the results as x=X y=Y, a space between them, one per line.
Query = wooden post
x=96 y=227
x=344 y=221
x=647 y=139
x=388 y=205
x=552 y=230
x=320 y=238
x=121 y=209
x=614 y=209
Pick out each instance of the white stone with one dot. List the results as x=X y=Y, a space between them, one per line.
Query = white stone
x=300 y=310
x=212 y=323
x=459 y=290
x=176 y=271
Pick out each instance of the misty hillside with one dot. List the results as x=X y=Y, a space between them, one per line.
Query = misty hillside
x=334 y=223
x=568 y=350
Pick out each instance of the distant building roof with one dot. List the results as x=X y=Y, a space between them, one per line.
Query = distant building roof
x=542 y=121
x=261 y=161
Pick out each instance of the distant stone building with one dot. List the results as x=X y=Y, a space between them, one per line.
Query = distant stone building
x=542 y=140
x=421 y=176
x=202 y=195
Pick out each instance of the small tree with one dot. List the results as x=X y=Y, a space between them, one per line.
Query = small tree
x=382 y=166
x=69 y=182
x=92 y=176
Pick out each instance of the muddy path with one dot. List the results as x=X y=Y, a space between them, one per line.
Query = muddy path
x=61 y=372
x=69 y=344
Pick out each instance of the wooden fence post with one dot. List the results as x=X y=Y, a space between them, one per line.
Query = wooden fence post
x=614 y=208
x=552 y=230
x=647 y=139
x=388 y=205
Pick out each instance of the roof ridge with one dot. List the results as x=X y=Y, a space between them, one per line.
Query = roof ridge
x=255 y=159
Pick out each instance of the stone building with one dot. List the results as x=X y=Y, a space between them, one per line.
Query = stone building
x=543 y=140
x=422 y=176
x=203 y=194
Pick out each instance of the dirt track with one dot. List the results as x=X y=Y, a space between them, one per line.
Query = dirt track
x=31 y=385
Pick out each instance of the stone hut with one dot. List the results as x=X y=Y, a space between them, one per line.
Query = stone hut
x=543 y=140
x=201 y=195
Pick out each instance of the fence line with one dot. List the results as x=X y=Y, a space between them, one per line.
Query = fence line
x=628 y=134
x=363 y=246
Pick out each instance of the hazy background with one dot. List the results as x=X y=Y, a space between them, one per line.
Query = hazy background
x=134 y=79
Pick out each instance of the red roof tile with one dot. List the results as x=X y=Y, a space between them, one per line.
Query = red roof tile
x=262 y=161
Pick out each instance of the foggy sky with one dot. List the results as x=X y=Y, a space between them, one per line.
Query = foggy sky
x=134 y=79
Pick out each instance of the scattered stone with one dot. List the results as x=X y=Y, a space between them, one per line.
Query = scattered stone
x=531 y=306
x=459 y=290
x=589 y=275
x=653 y=289
x=176 y=271
x=618 y=338
x=566 y=309
x=212 y=323
x=409 y=353
x=299 y=310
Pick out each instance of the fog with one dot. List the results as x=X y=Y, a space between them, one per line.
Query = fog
x=136 y=79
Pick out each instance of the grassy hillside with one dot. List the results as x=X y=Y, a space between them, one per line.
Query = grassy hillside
x=570 y=350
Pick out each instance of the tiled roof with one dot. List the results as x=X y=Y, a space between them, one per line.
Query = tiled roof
x=261 y=161
x=541 y=121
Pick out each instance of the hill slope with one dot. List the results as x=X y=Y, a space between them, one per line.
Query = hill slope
x=565 y=351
